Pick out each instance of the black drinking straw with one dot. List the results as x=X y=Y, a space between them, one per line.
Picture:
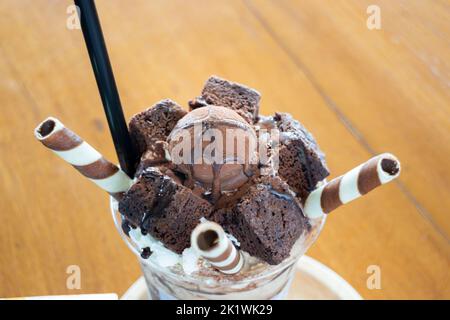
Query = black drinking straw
x=98 y=54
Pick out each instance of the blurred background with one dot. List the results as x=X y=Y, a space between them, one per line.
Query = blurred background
x=363 y=83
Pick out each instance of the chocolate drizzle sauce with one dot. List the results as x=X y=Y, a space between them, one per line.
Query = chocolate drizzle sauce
x=165 y=191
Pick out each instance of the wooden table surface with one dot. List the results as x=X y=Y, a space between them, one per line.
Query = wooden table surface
x=360 y=91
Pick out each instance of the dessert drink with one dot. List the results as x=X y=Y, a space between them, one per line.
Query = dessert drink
x=225 y=200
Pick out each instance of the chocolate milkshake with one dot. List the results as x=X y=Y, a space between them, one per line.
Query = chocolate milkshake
x=224 y=201
x=254 y=191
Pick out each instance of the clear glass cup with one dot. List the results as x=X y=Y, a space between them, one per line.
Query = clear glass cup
x=261 y=282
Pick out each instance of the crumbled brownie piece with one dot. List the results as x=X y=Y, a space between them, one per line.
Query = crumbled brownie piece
x=150 y=127
x=167 y=168
x=196 y=103
x=149 y=159
x=165 y=209
x=301 y=162
x=125 y=226
x=266 y=221
x=220 y=92
x=146 y=253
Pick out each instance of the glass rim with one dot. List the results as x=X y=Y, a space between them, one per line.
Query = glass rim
x=168 y=271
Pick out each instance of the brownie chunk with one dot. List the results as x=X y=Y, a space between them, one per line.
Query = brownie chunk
x=165 y=209
x=166 y=168
x=150 y=158
x=267 y=220
x=220 y=92
x=152 y=126
x=142 y=196
x=301 y=162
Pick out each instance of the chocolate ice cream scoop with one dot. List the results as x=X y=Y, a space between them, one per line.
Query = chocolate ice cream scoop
x=215 y=147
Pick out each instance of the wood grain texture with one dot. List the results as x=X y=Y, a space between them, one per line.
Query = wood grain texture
x=358 y=92
x=388 y=86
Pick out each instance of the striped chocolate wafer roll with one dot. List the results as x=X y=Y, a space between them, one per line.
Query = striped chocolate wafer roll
x=352 y=185
x=210 y=241
x=88 y=161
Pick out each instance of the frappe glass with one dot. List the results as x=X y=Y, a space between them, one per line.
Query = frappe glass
x=258 y=281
